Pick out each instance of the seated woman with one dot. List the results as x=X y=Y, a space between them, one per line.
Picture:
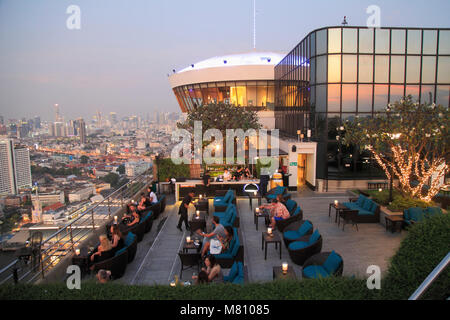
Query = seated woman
x=103 y=251
x=116 y=238
x=213 y=269
x=247 y=173
x=226 y=175
x=224 y=241
x=132 y=218
x=144 y=203
x=278 y=210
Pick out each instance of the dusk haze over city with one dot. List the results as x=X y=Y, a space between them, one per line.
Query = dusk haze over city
x=222 y=159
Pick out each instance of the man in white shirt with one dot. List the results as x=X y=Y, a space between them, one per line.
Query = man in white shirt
x=153 y=197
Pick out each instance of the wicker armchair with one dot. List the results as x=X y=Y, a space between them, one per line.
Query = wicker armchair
x=294 y=227
x=116 y=265
x=297 y=216
x=299 y=256
x=318 y=260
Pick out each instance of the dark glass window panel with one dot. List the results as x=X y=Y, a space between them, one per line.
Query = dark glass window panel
x=381 y=41
x=443 y=95
x=366 y=40
x=398 y=41
x=321 y=98
x=444 y=42
x=380 y=97
x=397 y=69
x=414 y=42
x=350 y=40
x=396 y=93
x=321 y=41
x=444 y=70
x=334 y=97
x=313 y=70
x=334 y=68
x=413 y=91
x=381 y=69
x=251 y=96
x=348 y=97
x=313 y=95
x=428 y=69
x=334 y=40
x=429 y=41
x=365 y=68
x=365 y=98
x=425 y=94
x=321 y=68
x=313 y=44
x=349 y=68
x=412 y=69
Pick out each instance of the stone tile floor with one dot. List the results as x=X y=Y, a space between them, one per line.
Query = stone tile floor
x=157 y=261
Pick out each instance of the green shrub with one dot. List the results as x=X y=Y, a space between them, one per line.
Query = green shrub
x=425 y=245
x=401 y=203
x=167 y=169
x=324 y=289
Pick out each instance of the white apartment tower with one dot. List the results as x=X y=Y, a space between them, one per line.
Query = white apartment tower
x=15 y=169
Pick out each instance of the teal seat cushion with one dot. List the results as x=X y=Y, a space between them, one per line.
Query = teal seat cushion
x=118 y=252
x=129 y=239
x=315 y=272
x=360 y=200
x=314 y=237
x=352 y=206
x=363 y=212
x=416 y=213
x=406 y=215
x=373 y=207
x=146 y=217
x=367 y=205
x=291 y=235
x=290 y=205
x=233 y=273
x=433 y=210
x=297 y=211
x=297 y=245
x=304 y=228
x=332 y=263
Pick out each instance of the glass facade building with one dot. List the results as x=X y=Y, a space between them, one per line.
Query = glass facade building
x=338 y=73
x=259 y=94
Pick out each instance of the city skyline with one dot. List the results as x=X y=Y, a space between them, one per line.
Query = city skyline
x=119 y=62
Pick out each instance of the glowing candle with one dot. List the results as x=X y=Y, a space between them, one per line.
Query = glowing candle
x=257 y=210
x=77 y=252
x=284 y=267
x=269 y=231
x=115 y=219
x=200 y=196
x=336 y=202
x=379 y=190
x=188 y=239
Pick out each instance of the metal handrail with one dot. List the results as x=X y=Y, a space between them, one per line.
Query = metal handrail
x=117 y=195
x=431 y=278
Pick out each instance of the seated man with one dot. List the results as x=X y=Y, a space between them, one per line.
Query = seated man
x=226 y=175
x=153 y=197
x=219 y=231
x=278 y=210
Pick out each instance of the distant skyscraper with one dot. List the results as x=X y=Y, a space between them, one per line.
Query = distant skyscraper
x=2 y=121
x=113 y=118
x=37 y=122
x=15 y=170
x=82 y=130
x=58 y=117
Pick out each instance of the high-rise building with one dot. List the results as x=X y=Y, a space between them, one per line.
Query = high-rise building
x=58 y=117
x=15 y=170
x=113 y=118
x=82 y=130
x=37 y=122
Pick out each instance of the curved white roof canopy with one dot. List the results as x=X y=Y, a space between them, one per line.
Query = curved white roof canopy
x=234 y=67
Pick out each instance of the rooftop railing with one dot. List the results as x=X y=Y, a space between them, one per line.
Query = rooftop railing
x=64 y=241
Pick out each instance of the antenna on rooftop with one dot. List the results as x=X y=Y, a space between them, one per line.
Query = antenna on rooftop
x=344 y=23
x=254 y=24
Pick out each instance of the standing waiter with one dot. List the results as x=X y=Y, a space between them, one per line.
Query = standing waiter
x=183 y=211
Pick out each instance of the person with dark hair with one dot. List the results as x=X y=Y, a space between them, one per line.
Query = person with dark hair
x=183 y=211
x=131 y=218
x=213 y=269
x=219 y=230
